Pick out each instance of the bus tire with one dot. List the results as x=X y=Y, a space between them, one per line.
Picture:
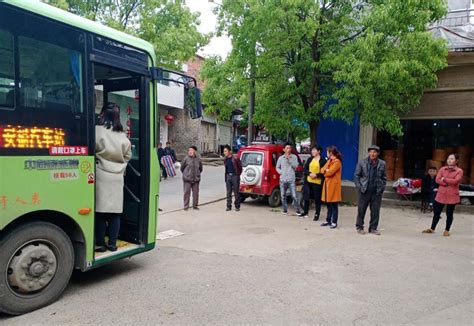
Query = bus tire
x=274 y=200
x=36 y=263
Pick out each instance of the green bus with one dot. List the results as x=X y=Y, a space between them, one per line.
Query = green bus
x=56 y=71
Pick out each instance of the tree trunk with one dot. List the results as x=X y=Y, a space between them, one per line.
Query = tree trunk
x=313 y=132
x=290 y=138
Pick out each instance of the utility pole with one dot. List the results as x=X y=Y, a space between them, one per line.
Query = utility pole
x=250 y=135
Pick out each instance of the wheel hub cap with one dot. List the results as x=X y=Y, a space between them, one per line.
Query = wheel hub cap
x=32 y=268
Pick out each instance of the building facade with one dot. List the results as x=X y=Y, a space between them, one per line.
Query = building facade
x=208 y=134
x=442 y=123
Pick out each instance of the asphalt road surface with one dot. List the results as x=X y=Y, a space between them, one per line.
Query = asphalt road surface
x=259 y=267
x=212 y=187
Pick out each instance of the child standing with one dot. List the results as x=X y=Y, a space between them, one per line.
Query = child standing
x=429 y=187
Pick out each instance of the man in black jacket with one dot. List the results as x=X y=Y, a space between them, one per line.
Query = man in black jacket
x=233 y=170
x=370 y=178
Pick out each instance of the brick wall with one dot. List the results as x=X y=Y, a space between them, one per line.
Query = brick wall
x=184 y=132
x=194 y=66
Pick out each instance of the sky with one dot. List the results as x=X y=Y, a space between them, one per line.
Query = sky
x=218 y=45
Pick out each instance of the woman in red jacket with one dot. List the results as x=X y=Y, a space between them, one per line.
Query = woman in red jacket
x=449 y=177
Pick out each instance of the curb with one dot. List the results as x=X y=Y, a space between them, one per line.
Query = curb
x=182 y=209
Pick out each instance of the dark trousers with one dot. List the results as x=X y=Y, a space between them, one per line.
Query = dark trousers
x=374 y=200
x=333 y=213
x=189 y=187
x=107 y=223
x=437 y=210
x=163 y=171
x=312 y=191
x=232 y=184
x=429 y=197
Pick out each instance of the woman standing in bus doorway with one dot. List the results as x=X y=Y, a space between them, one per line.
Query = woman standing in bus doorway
x=113 y=151
x=313 y=181
x=332 y=188
x=449 y=177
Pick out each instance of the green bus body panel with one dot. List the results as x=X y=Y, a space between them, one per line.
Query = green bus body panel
x=68 y=18
x=155 y=172
x=25 y=190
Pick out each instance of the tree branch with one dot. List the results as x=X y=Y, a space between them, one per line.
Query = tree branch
x=134 y=6
x=354 y=36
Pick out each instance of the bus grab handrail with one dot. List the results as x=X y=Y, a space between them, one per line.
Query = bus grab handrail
x=132 y=194
x=138 y=174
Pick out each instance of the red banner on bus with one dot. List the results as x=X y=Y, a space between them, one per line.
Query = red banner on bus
x=68 y=151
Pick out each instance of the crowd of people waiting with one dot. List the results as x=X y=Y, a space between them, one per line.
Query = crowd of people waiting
x=322 y=183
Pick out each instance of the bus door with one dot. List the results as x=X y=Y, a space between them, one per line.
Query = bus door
x=129 y=91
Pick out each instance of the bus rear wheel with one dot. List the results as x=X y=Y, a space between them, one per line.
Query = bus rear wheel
x=36 y=262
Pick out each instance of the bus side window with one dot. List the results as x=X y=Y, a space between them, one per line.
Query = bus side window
x=7 y=70
x=42 y=72
x=50 y=76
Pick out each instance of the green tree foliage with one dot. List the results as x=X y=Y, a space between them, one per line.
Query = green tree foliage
x=168 y=24
x=230 y=85
x=327 y=59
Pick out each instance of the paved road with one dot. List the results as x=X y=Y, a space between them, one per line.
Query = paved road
x=212 y=188
x=259 y=267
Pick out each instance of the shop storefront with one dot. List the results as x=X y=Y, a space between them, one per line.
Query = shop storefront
x=426 y=143
x=443 y=123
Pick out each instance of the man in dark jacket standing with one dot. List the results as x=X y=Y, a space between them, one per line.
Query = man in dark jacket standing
x=171 y=152
x=191 y=167
x=370 y=178
x=161 y=154
x=233 y=170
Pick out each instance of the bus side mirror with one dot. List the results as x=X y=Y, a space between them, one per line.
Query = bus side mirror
x=193 y=103
x=192 y=95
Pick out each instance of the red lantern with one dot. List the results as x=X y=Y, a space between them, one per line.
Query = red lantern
x=169 y=118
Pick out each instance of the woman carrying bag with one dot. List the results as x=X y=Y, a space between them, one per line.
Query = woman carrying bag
x=313 y=182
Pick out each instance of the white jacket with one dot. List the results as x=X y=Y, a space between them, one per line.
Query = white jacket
x=113 y=151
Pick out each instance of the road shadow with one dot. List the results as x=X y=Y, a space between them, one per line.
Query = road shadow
x=250 y=203
x=99 y=274
x=92 y=278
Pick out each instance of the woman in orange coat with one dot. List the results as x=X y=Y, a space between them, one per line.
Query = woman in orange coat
x=332 y=188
